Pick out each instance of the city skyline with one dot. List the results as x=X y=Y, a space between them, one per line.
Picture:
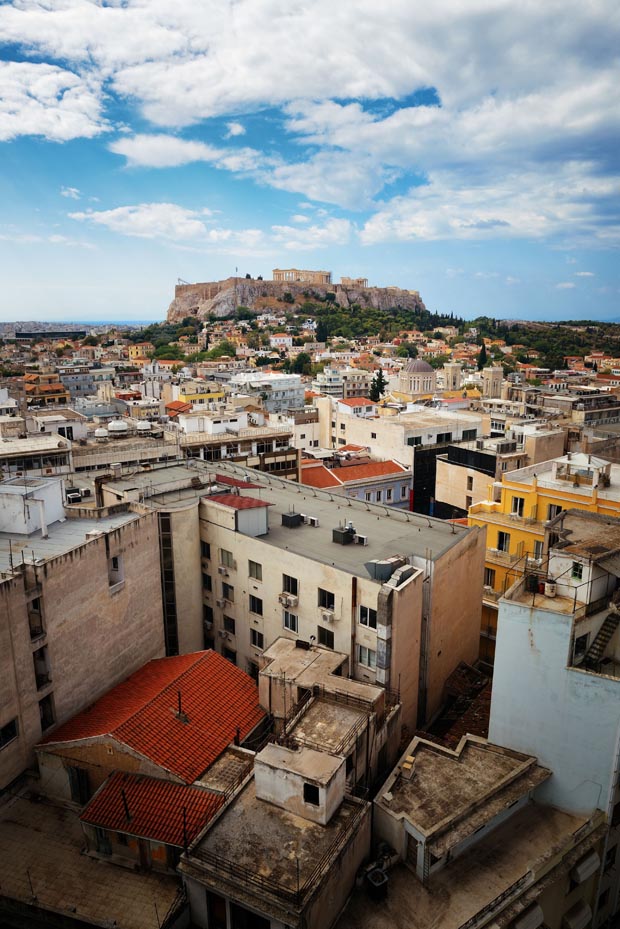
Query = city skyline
x=468 y=152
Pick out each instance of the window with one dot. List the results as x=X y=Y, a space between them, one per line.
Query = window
x=553 y=510
x=325 y=637
x=538 y=549
x=342 y=427
x=256 y=638
x=207 y=614
x=8 y=732
x=366 y=656
x=230 y=655
x=388 y=494
x=503 y=541
x=116 y=574
x=468 y=502
x=256 y=605
x=489 y=577
x=403 y=492
x=470 y=482
x=226 y=558
x=414 y=440
x=229 y=624
x=290 y=585
x=379 y=496
x=368 y=617
x=469 y=435
x=368 y=496
x=443 y=438
x=311 y=794
x=302 y=435
x=326 y=599
x=228 y=592
x=255 y=570
x=46 y=712
x=373 y=435
x=517 y=506
x=253 y=670
x=205 y=549
x=206 y=582
x=290 y=621
x=79 y=784
x=615 y=816
x=577 y=571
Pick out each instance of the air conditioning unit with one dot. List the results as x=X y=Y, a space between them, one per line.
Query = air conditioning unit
x=220 y=603
x=327 y=616
x=223 y=634
x=313 y=521
x=361 y=539
x=487 y=589
x=222 y=569
x=208 y=625
x=292 y=600
x=283 y=598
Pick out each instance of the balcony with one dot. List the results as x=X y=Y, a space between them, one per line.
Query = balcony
x=503 y=558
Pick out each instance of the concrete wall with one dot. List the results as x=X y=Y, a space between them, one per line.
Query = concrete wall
x=451 y=484
x=185 y=527
x=95 y=635
x=284 y=787
x=568 y=718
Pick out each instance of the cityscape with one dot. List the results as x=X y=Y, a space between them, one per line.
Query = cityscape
x=309 y=465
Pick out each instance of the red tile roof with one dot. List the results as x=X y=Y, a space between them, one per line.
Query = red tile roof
x=353 y=448
x=237 y=502
x=155 y=808
x=321 y=477
x=235 y=482
x=358 y=401
x=216 y=698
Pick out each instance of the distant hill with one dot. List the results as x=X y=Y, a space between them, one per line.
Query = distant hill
x=221 y=298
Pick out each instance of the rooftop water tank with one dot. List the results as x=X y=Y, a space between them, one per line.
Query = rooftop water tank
x=118 y=427
x=143 y=426
x=101 y=433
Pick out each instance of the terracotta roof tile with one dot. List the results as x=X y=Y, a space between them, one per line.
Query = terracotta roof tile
x=217 y=698
x=155 y=808
x=235 y=482
x=358 y=401
x=237 y=502
x=319 y=477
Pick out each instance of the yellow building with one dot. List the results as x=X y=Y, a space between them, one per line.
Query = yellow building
x=515 y=515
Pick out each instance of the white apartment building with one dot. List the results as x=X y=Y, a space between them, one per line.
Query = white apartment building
x=556 y=686
x=342 y=382
x=275 y=392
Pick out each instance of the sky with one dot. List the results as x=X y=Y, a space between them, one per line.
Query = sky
x=468 y=149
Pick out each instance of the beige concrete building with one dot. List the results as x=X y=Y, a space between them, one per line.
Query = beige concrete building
x=492 y=379
x=80 y=601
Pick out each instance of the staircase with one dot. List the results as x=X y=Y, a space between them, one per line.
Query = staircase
x=593 y=656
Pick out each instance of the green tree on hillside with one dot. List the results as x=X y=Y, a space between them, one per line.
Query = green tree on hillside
x=377 y=386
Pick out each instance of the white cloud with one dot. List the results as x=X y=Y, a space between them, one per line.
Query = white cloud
x=511 y=281
x=300 y=218
x=234 y=129
x=565 y=285
x=149 y=221
x=71 y=192
x=332 y=232
x=166 y=151
x=584 y=274
x=44 y=100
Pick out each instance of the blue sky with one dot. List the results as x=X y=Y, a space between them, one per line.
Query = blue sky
x=469 y=150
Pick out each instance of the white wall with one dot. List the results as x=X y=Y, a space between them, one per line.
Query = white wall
x=568 y=718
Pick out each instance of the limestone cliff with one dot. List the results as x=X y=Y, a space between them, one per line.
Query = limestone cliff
x=221 y=298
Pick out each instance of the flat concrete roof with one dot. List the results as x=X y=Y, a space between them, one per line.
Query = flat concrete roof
x=62 y=537
x=33 y=444
x=389 y=531
x=587 y=535
x=316 y=766
x=452 y=793
x=514 y=851
x=328 y=725
x=282 y=848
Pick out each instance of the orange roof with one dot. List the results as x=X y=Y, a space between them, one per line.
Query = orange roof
x=353 y=448
x=358 y=401
x=237 y=502
x=317 y=475
x=217 y=698
x=177 y=406
x=155 y=808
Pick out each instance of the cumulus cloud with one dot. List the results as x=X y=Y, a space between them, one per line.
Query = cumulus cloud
x=584 y=274
x=565 y=285
x=332 y=232
x=234 y=129
x=71 y=192
x=45 y=100
x=166 y=151
x=148 y=221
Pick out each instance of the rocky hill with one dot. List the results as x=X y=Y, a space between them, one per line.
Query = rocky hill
x=221 y=298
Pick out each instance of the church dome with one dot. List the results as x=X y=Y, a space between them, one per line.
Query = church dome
x=417 y=366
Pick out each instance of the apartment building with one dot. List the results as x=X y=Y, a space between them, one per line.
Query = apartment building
x=342 y=382
x=81 y=605
x=556 y=689
x=35 y=456
x=45 y=389
x=276 y=393
x=378 y=584
x=515 y=520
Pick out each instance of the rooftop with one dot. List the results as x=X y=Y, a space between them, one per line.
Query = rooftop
x=587 y=535
x=269 y=850
x=62 y=537
x=160 y=810
x=237 y=502
x=514 y=855
x=41 y=850
x=389 y=531
x=317 y=475
x=452 y=793
x=218 y=701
